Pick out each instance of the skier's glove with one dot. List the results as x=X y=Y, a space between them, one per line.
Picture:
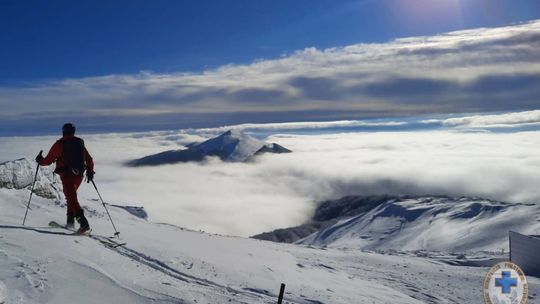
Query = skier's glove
x=90 y=176
x=39 y=157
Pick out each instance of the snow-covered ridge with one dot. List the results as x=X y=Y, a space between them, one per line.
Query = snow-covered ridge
x=233 y=145
x=431 y=223
x=19 y=174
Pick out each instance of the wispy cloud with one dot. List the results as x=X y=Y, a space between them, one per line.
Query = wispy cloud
x=307 y=125
x=506 y=120
x=478 y=70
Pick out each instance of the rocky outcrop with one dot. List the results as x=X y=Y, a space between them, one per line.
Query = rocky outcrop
x=19 y=174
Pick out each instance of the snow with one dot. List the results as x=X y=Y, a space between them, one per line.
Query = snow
x=19 y=174
x=432 y=250
x=232 y=145
x=432 y=223
x=163 y=263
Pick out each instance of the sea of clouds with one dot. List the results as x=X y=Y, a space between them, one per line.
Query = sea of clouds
x=282 y=190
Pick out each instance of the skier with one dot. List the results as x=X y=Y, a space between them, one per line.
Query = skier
x=72 y=159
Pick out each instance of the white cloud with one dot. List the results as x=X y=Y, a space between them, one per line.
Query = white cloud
x=303 y=125
x=517 y=119
x=476 y=70
x=281 y=190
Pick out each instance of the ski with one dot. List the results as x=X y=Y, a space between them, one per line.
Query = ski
x=54 y=224
x=103 y=240
x=111 y=244
x=108 y=242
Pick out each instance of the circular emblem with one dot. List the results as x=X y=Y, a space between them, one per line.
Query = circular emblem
x=505 y=283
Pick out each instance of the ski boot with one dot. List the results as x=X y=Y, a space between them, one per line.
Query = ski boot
x=83 y=222
x=70 y=222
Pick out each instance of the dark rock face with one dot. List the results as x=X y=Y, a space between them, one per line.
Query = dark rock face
x=139 y=212
x=168 y=157
x=272 y=148
x=289 y=235
x=349 y=206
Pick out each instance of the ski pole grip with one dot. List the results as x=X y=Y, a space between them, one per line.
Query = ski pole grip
x=41 y=156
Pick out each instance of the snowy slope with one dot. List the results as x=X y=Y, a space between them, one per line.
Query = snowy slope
x=232 y=145
x=431 y=223
x=167 y=264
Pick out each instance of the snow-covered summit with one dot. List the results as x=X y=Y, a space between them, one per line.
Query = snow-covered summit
x=233 y=145
x=19 y=174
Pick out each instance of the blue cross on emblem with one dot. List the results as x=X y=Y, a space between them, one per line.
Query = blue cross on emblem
x=506 y=282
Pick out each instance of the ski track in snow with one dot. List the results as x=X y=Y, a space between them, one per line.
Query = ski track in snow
x=145 y=260
x=175 y=274
x=139 y=297
x=33 y=279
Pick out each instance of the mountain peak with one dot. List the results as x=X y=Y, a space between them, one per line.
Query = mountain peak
x=227 y=133
x=232 y=145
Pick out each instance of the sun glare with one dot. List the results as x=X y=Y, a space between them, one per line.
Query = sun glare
x=414 y=14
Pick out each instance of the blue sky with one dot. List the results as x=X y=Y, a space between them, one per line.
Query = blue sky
x=57 y=39
x=120 y=64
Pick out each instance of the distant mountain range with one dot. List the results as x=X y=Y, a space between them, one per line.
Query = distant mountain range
x=437 y=223
x=232 y=145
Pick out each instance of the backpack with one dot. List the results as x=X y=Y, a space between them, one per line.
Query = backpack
x=73 y=155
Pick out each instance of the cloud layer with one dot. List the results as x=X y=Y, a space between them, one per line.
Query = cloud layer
x=282 y=190
x=478 y=70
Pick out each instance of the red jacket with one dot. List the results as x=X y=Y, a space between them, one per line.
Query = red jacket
x=56 y=152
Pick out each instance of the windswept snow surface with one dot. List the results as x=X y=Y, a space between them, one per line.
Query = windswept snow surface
x=432 y=223
x=162 y=263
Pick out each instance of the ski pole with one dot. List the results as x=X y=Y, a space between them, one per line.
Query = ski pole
x=116 y=233
x=31 y=191
x=281 y=291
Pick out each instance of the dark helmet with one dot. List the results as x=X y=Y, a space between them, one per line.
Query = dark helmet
x=68 y=129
